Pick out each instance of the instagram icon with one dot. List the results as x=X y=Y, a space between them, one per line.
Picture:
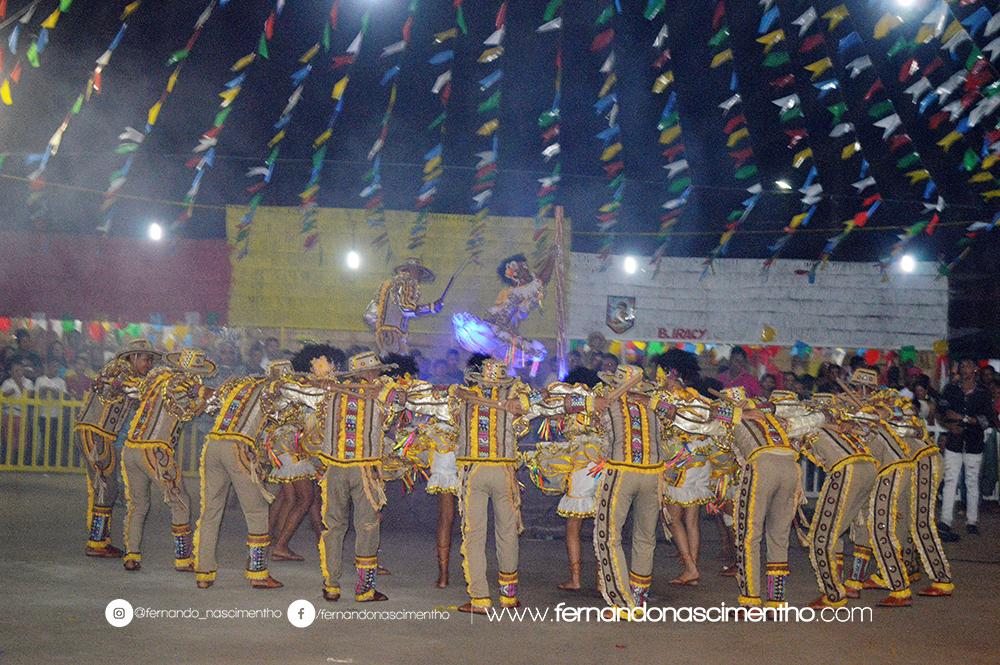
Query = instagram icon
x=119 y=613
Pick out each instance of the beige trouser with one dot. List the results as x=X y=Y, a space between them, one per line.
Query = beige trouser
x=888 y=525
x=843 y=497
x=225 y=463
x=102 y=484
x=926 y=477
x=141 y=467
x=765 y=508
x=341 y=487
x=626 y=584
x=479 y=484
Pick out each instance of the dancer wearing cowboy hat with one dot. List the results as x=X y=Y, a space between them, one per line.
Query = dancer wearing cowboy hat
x=352 y=414
x=168 y=396
x=105 y=408
x=230 y=457
x=397 y=302
x=766 y=451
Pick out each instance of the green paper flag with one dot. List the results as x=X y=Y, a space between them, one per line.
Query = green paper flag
x=991 y=89
x=906 y=161
x=177 y=56
x=791 y=114
x=262 y=47
x=719 y=38
x=899 y=46
x=669 y=121
x=547 y=118
x=776 y=59
x=970 y=160
x=974 y=55
x=3 y=158
x=679 y=185
x=907 y=354
x=460 y=21
x=326 y=38
x=838 y=111
x=32 y=54
x=653 y=8
x=64 y=5
x=880 y=110
x=605 y=17
x=77 y=105
x=220 y=117
x=747 y=171
x=126 y=148
x=617 y=181
x=255 y=201
x=551 y=9
x=490 y=104
x=437 y=121
x=68 y=325
x=735 y=214
x=318 y=156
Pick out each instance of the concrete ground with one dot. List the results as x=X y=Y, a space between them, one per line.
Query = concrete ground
x=53 y=600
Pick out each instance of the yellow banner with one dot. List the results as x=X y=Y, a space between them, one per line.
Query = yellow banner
x=281 y=285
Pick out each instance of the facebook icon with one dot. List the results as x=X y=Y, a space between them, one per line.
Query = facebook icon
x=301 y=613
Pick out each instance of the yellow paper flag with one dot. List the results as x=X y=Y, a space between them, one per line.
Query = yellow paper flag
x=949 y=139
x=982 y=176
x=5 y=93
x=835 y=16
x=487 y=128
x=434 y=175
x=801 y=157
x=771 y=38
x=917 y=175
x=309 y=192
x=228 y=96
x=723 y=57
x=887 y=24
x=154 y=113
x=51 y=21
x=662 y=81
x=797 y=220
x=491 y=54
x=724 y=238
x=172 y=81
x=243 y=62
x=608 y=82
x=610 y=152
x=990 y=195
x=432 y=164
x=444 y=36
x=129 y=9
x=308 y=55
x=849 y=150
x=924 y=34
x=670 y=134
x=322 y=138
x=276 y=139
x=737 y=136
x=953 y=29
x=818 y=67
x=989 y=161
x=339 y=87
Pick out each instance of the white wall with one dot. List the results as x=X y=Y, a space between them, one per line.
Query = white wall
x=848 y=306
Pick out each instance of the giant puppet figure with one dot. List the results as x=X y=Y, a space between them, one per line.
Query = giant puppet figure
x=398 y=301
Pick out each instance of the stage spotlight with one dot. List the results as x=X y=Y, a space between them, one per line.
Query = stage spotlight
x=907 y=263
x=155 y=232
x=783 y=184
x=905 y=3
x=353 y=260
x=630 y=265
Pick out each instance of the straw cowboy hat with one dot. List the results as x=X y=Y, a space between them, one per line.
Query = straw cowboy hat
x=865 y=377
x=493 y=373
x=137 y=346
x=415 y=265
x=363 y=362
x=192 y=361
x=277 y=369
x=623 y=374
x=783 y=396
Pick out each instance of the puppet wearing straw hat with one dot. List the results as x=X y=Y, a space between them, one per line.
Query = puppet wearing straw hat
x=168 y=396
x=398 y=301
x=105 y=408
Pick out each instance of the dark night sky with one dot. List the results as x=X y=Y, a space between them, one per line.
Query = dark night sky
x=137 y=75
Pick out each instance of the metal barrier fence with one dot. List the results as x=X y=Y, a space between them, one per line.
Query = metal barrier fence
x=37 y=435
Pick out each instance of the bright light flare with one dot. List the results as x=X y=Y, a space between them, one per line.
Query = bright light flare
x=353 y=260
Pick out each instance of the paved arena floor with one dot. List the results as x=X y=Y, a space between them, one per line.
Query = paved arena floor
x=53 y=599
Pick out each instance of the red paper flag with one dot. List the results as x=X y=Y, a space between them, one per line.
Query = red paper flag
x=673 y=151
x=861 y=218
x=269 y=27
x=811 y=42
x=933 y=66
x=406 y=29
x=613 y=168
x=871 y=199
x=662 y=60
x=876 y=87
x=897 y=141
x=735 y=122
x=501 y=16
x=602 y=40
x=718 y=15
x=795 y=136
x=937 y=119
x=783 y=81
x=15 y=74
x=933 y=225
x=3 y=8
x=908 y=69
x=334 y=11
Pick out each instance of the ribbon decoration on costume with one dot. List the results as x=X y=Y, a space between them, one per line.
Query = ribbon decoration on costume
x=20 y=20
x=36 y=205
x=679 y=182
x=549 y=123
x=607 y=106
x=791 y=116
x=204 y=152
x=308 y=204
x=264 y=173
x=737 y=132
x=489 y=113
x=433 y=171
x=372 y=193
x=813 y=46
x=131 y=138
